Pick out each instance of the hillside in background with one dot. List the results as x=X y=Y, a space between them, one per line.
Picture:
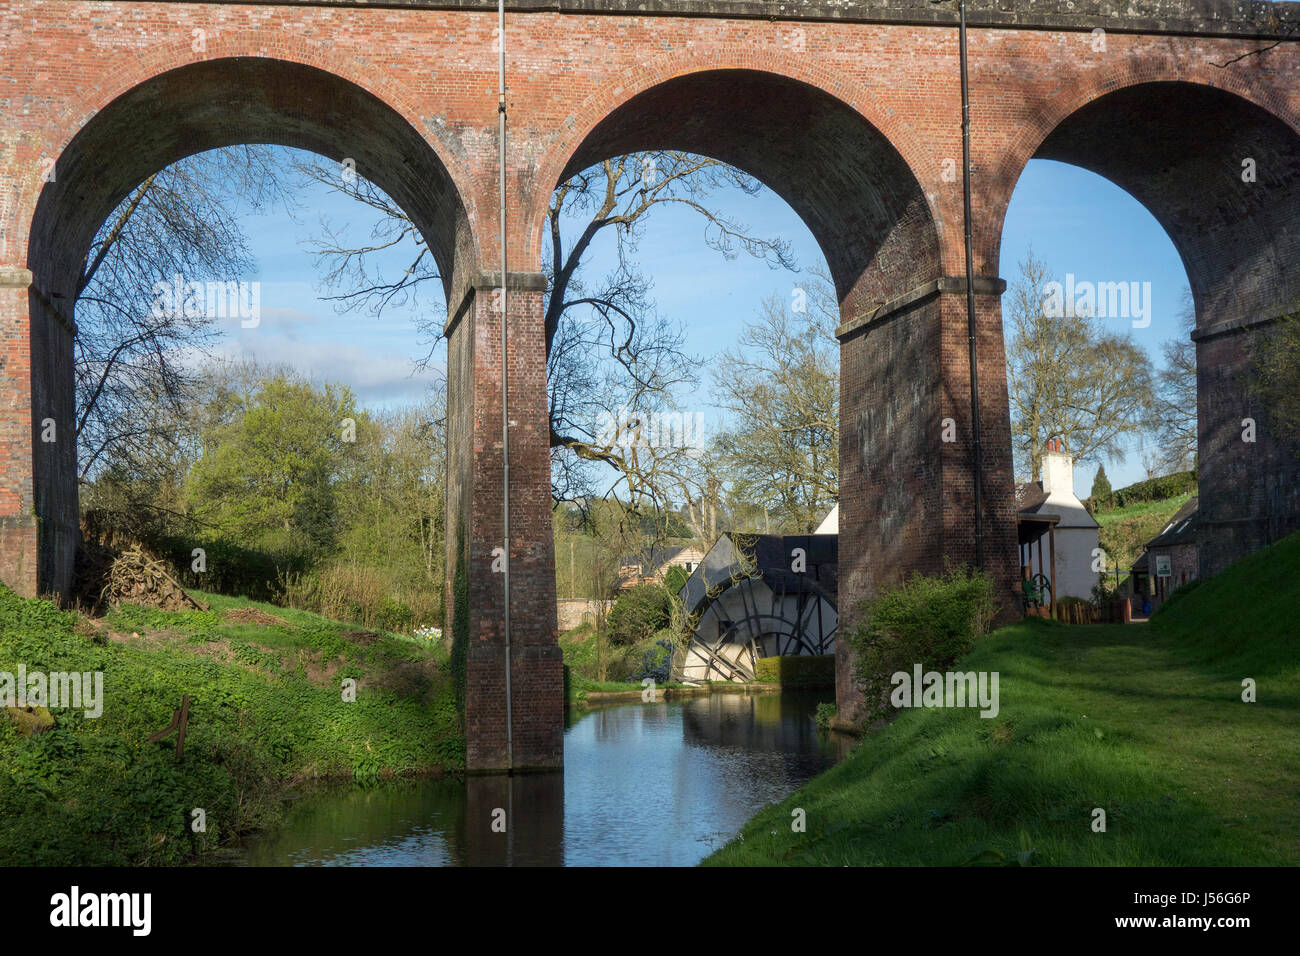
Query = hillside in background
x=1124 y=531
x=1130 y=517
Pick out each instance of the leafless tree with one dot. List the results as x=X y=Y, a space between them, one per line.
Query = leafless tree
x=134 y=362
x=781 y=386
x=1070 y=379
x=1174 y=411
x=610 y=354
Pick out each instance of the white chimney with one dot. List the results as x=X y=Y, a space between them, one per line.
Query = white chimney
x=831 y=523
x=1057 y=471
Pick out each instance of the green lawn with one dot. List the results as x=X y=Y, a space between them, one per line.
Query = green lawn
x=1140 y=509
x=267 y=711
x=1144 y=721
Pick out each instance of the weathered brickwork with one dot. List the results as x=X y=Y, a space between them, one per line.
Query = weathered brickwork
x=1249 y=489
x=475 y=455
x=850 y=111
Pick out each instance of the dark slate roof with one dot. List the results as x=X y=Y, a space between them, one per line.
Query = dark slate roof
x=1030 y=496
x=1181 y=528
x=735 y=557
x=1031 y=500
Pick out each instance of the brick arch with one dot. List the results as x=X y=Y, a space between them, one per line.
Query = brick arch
x=214 y=102
x=427 y=179
x=133 y=68
x=907 y=497
x=1176 y=144
x=1116 y=87
x=878 y=229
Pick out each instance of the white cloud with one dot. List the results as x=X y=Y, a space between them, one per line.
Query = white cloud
x=377 y=378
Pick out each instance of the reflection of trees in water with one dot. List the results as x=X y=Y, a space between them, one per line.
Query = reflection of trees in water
x=614 y=722
x=735 y=753
x=429 y=822
x=332 y=823
x=759 y=722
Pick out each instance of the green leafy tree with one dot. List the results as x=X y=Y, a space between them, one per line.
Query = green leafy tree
x=675 y=579
x=639 y=613
x=391 y=491
x=268 y=459
x=315 y=513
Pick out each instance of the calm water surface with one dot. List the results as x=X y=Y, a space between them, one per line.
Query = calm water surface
x=662 y=784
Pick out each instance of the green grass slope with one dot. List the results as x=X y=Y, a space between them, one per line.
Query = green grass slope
x=267 y=711
x=1124 y=531
x=1145 y=722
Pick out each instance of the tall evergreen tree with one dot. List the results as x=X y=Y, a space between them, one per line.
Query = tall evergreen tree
x=1100 y=487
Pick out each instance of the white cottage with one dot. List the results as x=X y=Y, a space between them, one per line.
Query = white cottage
x=1057 y=535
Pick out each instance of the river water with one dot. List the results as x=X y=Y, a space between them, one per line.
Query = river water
x=659 y=784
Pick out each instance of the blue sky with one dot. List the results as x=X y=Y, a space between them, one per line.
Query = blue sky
x=1075 y=221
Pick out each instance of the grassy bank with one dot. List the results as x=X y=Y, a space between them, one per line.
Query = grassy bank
x=1124 y=531
x=1143 y=721
x=267 y=711
x=584 y=653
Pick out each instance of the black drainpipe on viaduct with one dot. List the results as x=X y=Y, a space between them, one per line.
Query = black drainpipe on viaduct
x=977 y=453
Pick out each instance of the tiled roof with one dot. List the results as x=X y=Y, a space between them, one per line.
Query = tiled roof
x=1181 y=528
x=1030 y=496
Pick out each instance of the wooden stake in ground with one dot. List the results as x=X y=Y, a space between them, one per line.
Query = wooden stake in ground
x=180 y=720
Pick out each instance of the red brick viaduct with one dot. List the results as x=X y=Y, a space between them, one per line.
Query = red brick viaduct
x=849 y=109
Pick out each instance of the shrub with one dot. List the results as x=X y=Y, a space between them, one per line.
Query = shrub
x=638 y=613
x=656 y=663
x=1154 y=489
x=796 y=669
x=928 y=620
x=826 y=712
x=675 y=579
x=394 y=616
x=360 y=594
x=230 y=568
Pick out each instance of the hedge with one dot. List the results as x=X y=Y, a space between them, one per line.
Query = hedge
x=1153 y=489
x=796 y=669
